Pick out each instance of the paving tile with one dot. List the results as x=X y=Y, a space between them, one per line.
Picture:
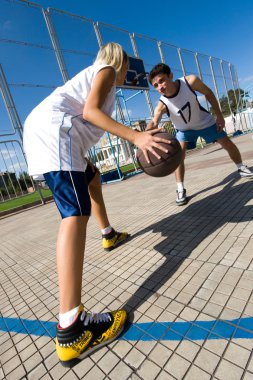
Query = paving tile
x=58 y=371
x=82 y=368
x=121 y=348
x=163 y=375
x=217 y=346
x=37 y=373
x=236 y=304
x=237 y=355
x=177 y=366
x=196 y=373
x=227 y=370
x=212 y=309
x=108 y=362
x=70 y=375
x=247 y=376
x=28 y=352
x=11 y=365
x=121 y=371
x=160 y=354
x=250 y=367
x=135 y=358
x=219 y=299
x=198 y=303
x=32 y=362
x=148 y=370
x=249 y=309
x=188 y=350
x=145 y=347
x=95 y=373
x=17 y=374
x=207 y=361
x=7 y=355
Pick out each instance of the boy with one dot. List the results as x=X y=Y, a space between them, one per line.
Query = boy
x=191 y=120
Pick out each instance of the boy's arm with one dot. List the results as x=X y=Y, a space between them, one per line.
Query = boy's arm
x=197 y=85
x=158 y=113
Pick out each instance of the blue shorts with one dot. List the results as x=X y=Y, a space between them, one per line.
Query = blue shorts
x=209 y=134
x=70 y=191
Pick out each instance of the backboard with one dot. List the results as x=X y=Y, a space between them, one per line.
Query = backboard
x=136 y=78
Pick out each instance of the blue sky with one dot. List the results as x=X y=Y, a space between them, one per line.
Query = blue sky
x=222 y=29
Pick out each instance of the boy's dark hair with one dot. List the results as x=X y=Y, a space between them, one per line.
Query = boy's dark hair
x=161 y=68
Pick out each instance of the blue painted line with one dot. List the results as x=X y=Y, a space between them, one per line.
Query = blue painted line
x=194 y=330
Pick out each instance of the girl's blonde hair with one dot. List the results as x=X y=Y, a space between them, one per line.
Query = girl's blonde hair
x=111 y=54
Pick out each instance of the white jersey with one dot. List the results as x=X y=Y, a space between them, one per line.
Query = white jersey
x=56 y=137
x=184 y=109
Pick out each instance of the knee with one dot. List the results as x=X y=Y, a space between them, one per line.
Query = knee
x=183 y=156
x=227 y=144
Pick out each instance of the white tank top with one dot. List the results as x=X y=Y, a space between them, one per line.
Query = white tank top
x=184 y=109
x=56 y=137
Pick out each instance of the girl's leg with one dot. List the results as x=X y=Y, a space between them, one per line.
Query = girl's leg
x=97 y=202
x=70 y=255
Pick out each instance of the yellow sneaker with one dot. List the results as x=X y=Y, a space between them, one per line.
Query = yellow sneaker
x=88 y=333
x=113 y=239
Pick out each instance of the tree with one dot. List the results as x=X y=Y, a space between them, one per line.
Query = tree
x=233 y=98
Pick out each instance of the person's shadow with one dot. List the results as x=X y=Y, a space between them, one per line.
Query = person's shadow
x=184 y=231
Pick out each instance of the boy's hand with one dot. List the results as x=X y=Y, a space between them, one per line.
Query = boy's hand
x=147 y=142
x=220 y=122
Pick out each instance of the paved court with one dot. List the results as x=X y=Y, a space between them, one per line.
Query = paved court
x=186 y=276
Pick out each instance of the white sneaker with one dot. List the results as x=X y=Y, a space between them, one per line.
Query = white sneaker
x=245 y=172
x=181 y=198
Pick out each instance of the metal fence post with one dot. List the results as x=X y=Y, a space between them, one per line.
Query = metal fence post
x=56 y=45
x=214 y=81
x=236 y=100
x=200 y=75
x=9 y=105
x=225 y=83
x=146 y=92
x=159 y=44
x=98 y=34
x=181 y=60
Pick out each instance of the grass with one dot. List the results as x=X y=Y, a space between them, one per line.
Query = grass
x=127 y=168
x=124 y=169
x=23 y=200
x=30 y=198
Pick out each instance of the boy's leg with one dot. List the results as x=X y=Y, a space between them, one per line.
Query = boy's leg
x=179 y=173
x=235 y=156
x=110 y=237
x=231 y=148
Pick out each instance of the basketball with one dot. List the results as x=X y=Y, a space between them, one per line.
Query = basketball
x=168 y=162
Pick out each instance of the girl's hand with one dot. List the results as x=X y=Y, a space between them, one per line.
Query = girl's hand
x=147 y=143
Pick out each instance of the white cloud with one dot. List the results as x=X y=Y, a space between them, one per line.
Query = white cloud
x=247 y=79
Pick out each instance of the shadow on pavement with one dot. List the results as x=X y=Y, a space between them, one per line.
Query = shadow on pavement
x=184 y=231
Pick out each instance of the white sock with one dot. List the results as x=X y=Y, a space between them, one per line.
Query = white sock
x=66 y=319
x=239 y=165
x=106 y=230
x=180 y=187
